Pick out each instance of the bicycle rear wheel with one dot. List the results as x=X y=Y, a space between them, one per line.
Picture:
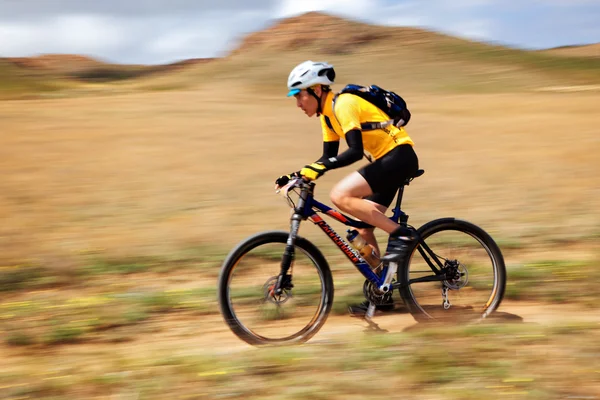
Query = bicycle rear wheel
x=249 y=306
x=473 y=266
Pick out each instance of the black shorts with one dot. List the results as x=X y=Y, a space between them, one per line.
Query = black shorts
x=386 y=174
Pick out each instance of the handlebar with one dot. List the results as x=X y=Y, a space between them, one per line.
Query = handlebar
x=294 y=183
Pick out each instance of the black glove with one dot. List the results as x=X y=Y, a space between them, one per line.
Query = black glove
x=284 y=179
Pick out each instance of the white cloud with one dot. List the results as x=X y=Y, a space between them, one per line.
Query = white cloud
x=478 y=29
x=27 y=9
x=65 y=34
x=468 y=3
x=81 y=32
x=567 y=3
x=400 y=20
x=132 y=31
x=146 y=39
x=16 y=39
x=190 y=40
x=399 y=14
x=457 y=18
x=156 y=31
x=450 y=17
x=180 y=40
x=355 y=8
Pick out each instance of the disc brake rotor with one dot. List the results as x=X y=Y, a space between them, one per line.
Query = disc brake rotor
x=269 y=292
x=458 y=273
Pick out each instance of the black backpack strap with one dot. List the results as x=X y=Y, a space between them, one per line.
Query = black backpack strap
x=328 y=122
x=364 y=126
x=371 y=126
x=333 y=106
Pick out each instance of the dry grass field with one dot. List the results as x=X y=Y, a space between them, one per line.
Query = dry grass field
x=119 y=202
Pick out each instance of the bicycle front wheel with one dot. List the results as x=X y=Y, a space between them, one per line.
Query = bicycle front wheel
x=247 y=301
x=456 y=273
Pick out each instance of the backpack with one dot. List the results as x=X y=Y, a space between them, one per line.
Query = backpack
x=389 y=102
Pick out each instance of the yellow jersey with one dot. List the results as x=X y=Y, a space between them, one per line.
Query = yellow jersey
x=350 y=112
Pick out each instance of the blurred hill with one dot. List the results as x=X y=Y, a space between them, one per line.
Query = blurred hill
x=83 y=68
x=412 y=58
x=331 y=35
x=588 y=50
x=77 y=65
x=54 y=72
x=56 y=63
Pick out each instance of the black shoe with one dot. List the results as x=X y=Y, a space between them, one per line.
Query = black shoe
x=359 y=310
x=400 y=242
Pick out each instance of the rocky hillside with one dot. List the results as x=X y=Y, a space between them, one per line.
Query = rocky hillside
x=57 y=63
x=424 y=59
x=329 y=34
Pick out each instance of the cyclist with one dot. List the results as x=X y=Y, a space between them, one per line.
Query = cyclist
x=367 y=193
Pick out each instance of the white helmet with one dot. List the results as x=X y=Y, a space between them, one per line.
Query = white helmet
x=308 y=74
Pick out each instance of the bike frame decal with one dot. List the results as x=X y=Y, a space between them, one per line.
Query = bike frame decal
x=341 y=243
x=353 y=256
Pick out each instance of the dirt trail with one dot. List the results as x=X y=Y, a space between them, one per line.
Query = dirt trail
x=183 y=335
x=212 y=332
x=344 y=327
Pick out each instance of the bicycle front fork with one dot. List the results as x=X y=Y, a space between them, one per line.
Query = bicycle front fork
x=288 y=255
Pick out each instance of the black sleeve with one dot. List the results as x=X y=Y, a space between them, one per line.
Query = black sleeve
x=330 y=149
x=353 y=154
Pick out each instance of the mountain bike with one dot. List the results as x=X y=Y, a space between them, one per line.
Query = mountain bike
x=276 y=287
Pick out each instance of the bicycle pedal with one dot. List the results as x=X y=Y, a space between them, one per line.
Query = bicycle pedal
x=370 y=311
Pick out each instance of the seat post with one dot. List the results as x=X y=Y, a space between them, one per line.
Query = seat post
x=399 y=198
x=398 y=215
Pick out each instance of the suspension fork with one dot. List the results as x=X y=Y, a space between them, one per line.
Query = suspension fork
x=288 y=254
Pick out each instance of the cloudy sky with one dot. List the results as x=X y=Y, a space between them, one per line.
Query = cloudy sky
x=158 y=31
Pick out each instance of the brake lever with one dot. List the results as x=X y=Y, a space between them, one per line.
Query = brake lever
x=288 y=186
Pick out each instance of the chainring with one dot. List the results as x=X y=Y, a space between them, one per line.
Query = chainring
x=374 y=295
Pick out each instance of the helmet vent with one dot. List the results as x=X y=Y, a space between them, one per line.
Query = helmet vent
x=329 y=72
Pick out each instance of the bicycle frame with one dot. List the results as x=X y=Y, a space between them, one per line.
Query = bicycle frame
x=307 y=209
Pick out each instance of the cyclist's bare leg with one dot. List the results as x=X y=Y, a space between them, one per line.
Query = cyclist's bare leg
x=368 y=233
x=348 y=195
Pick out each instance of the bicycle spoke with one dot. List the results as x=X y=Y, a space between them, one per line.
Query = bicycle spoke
x=471 y=275
x=258 y=308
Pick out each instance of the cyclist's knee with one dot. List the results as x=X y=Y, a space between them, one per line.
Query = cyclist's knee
x=338 y=198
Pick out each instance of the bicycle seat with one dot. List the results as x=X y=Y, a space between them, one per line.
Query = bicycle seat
x=416 y=175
